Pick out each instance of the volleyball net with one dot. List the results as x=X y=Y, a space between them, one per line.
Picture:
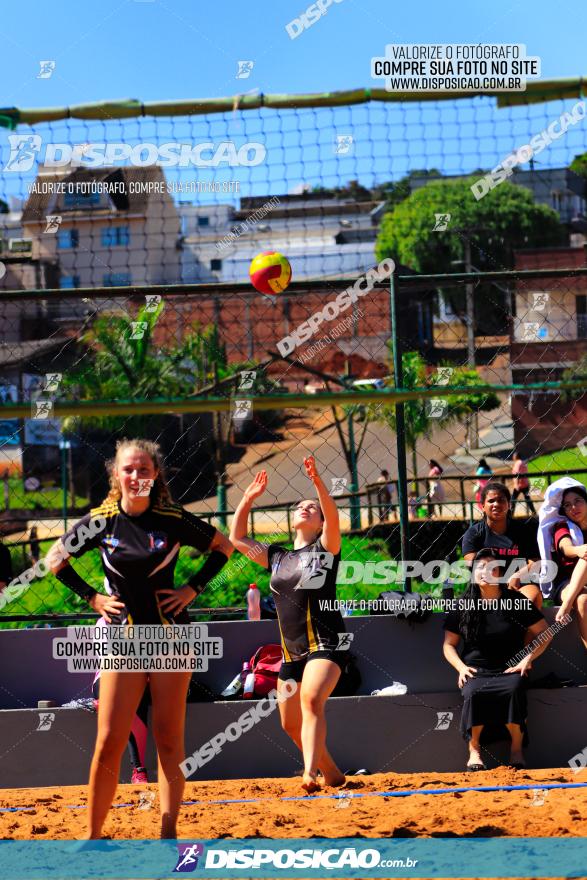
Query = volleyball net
x=438 y=310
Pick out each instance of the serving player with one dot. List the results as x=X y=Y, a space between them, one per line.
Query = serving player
x=139 y=546
x=303 y=583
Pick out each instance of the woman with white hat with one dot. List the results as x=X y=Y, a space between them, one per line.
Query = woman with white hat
x=562 y=536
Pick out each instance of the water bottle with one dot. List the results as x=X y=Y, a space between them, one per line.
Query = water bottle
x=234 y=687
x=249 y=680
x=253 y=603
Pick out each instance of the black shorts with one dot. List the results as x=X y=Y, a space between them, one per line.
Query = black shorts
x=295 y=668
x=555 y=596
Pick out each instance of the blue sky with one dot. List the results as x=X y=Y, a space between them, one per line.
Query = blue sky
x=174 y=49
x=186 y=48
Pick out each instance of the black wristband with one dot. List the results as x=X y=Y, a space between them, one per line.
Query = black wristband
x=69 y=576
x=214 y=563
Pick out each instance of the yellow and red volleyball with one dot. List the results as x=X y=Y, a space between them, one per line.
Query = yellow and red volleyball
x=270 y=272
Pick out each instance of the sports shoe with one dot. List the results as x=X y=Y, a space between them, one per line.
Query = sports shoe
x=139 y=774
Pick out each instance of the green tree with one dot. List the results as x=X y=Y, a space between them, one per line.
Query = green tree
x=504 y=220
x=576 y=373
x=123 y=362
x=419 y=420
x=579 y=165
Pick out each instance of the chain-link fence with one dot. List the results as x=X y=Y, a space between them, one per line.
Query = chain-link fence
x=436 y=321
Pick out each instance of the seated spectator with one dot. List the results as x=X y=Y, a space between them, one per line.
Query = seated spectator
x=515 y=539
x=562 y=533
x=562 y=536
x=491 y=673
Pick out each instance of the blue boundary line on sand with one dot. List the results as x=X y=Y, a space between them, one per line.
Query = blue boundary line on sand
x=365 y=794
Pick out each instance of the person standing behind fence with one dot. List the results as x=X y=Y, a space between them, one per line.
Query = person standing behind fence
x=5 y=566
x=484 y=473
x=435 y=487
x=521 y=483
x=35 y=552
x=384 y=495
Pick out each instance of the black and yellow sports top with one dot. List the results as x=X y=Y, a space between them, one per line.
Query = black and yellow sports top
x=139 y=554
x=303 y=584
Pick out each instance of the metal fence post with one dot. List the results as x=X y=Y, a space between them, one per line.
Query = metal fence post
x=402 y=480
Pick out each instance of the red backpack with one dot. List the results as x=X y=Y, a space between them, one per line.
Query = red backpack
x=265 y=664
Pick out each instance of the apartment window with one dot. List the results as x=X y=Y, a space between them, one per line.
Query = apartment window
x=81 y=199
x=67 y=238
x=117 y=279
x=203 y=221
x=115 y=236
x=215 y=265
x=69 y=282
x=581 y=301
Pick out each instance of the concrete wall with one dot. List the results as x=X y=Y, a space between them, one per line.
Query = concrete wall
x=397 y=734
x=386 y=650
x=381 y=734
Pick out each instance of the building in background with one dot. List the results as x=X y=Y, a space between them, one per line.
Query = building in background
x=558 y=188
x=105 y=239
x=549 y=336
x=321 y=235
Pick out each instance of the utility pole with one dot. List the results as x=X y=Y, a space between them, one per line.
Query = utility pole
x=400 y=428
x=470 y=308
x=473 y=424
x=355 y=509
x=65 y=447
x=219 y=464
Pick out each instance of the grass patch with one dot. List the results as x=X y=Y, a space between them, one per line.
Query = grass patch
x=569 y=460
x=47 y=595
x=43 y=499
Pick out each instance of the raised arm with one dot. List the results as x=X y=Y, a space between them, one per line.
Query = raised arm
x=331 y=531
x=253 y=550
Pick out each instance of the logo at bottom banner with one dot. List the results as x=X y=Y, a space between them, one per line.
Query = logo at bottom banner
x=314 y=858
x=187 y=858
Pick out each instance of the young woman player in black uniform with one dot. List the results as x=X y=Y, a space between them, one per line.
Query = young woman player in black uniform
x=139 y=545
x=303 y=583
